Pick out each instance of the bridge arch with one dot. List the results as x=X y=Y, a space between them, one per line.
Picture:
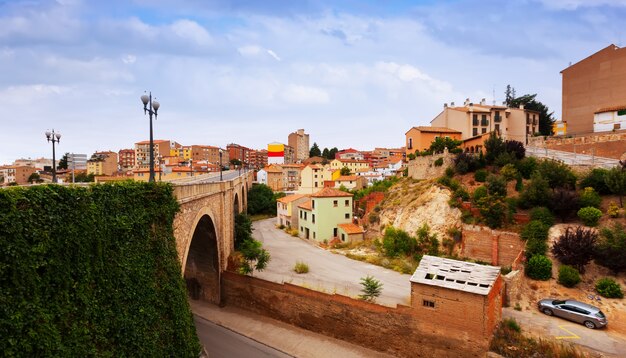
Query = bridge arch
x=202 y=258
x=237 y=207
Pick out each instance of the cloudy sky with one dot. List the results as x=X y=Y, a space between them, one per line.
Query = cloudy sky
x=353 y=73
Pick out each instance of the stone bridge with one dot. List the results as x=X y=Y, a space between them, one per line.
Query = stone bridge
x=204 y=231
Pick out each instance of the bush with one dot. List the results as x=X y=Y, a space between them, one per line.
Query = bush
x=575 y=247
x=608 y=288
x=493 y=210
x=589 y=197
x=535 y=247
x=568 y=276
x=438 y=162
x=512 y=324
x=558 y=174
x=526 y=166
x=398 y=242
x=542 y=214
x=261 y=200
x=462 y=194
x=479 y=193
x=610 y=249
x=504 y=159
x=509 y=172
x=372 y=288
x=516 y=148
x=595 y=180
x=615 y=181
x=494 y=146
x=613 y=210
x=564 y=203
x=496 y=185
x=539 y=267
x=535 y=229
x=373 y=218
x=449 y=172
x=301 y=267
x=481 y=175
x=590 y=216
x=519 y=183
x=536 y=193
x=453 y=184
x=466 y=162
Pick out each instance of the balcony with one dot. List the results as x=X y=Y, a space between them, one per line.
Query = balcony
x=497 y=119
x=475 y=122
x=484 y=122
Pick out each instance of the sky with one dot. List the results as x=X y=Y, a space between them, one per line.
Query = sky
x=352 y=73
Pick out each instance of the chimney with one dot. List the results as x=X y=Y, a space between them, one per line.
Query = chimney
x=466 y=102
x=521 y=106
x=445 y=105
x=471 y=104
x=451 y=104
x=482 y=102
x=504 y=103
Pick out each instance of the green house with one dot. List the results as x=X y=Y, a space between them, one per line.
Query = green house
x=319 y=218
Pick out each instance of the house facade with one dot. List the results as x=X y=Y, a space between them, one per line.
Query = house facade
x=319 y=217
x=287 y=209
x=352 y=164
x=610 y=118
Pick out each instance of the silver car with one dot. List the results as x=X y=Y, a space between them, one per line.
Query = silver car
x=575 y=311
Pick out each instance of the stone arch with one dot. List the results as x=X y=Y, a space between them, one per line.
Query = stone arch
x=243 y=197
x=236 y=206
x=202 y=259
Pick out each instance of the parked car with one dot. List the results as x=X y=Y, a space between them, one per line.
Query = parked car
x=574 y=311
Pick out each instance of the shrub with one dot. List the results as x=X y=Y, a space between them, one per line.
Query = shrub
x=526 y=166
x=516 y=148
x=449 y=172
x=479 y=193
x=590 y=216
x=372 y=288
x=595 y=179
x=503 y=159
x=539 y=267
x=589 y=197
x=301 y=267
x=496 y=185
x=535 y=229
x=261 y=200
x=615 y=181
x=536 y=193
x=509 y=172
x=373 y=218
x=481 y=175
x=438 y=162
x=396 y=242
x=494 y=146
x=608 y=288
x=519 y=183
x=610 y=249
x=493 y=210
x=564 y=203
x=451 y=183
x=542 y=214
x=466 y=162
x=462 y=194
x=613 y=210
x=575 y=247
x=535 y=247
x=512 y=324
x=558 y=174
x=568 y=276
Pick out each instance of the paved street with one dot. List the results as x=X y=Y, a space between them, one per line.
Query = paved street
x=572 y=158
x=328 y=272
x=601 y=340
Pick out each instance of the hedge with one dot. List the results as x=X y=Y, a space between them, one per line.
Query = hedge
x=92 y=271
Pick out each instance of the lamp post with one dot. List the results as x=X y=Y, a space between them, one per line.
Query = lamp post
x=151 y=107
x=54 y=138
x=221 y=164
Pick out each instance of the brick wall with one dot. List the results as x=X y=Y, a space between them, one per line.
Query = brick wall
x=400 y=331
x=424 y=167
x=609 y=145
x=500 y=248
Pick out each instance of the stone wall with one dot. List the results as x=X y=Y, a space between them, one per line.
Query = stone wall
x=400 y=331
x=499 y=248
x=424 y=167
x=608 y=145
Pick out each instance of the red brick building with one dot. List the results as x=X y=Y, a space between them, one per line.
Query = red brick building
x=126 y=159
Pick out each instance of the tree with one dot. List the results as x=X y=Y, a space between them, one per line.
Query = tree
x=254 y=257
x=332 y=152
x=575 y=247
x=615 y=180
x=564 y=203
x=344 y=171
x=235 y=162
x=509 y=95
x=261 y=200
x=530 y=102
x=315 y=151
x=243 y=229
x=83 y=177
x=558 y=174
x=35 y=178
x=439 y=144
x=536 y=193
x=63 y=161
x=326 y=153
x=610 y=250
x=372 y=288
x=494 y=146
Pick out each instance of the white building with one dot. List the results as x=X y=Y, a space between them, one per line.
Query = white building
x=609 y=118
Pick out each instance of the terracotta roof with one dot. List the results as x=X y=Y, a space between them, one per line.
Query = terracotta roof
x=475 y=108
x=611 y=109
x=315 y=166
x=435 y=129
x=351 y=228
x=274 y=169
x=352 y=161
x=289 y=198
x=347 y=178
x=306 y=205
x=155 y=141
x=330 y=193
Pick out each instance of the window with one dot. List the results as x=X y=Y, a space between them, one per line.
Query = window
x=474 y=132
x=343 y=237
x=335 y=203
x=475 y=120
x=300 y=214
x=427 y=303
x=335 y=232
x=347 y=216
x=305 y=215
x=348 y=201
x=483 y=130
x=301 y=229
x=498 y=128
x=313 y=218
x=314 y=234
x=313 y=204
x=316 y=184
x=621 y=112
x=410 y=145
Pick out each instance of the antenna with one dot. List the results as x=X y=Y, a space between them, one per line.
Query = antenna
x=493 y=94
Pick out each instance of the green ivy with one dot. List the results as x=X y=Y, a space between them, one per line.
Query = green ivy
x=92 y=271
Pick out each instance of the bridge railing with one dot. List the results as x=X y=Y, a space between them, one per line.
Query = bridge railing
x=190 y=191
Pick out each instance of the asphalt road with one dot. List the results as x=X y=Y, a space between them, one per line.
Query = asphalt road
x=601 y=340
x=328 y=272
x=221 y=342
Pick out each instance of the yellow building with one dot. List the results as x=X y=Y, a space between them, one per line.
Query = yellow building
x=287 y=209
x=353 y=165
x=312 y=177
x=167 y=174
x=420 y=138
x=102 y=163
x=183 y=153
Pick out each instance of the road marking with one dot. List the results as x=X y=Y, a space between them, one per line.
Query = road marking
x=573 y=335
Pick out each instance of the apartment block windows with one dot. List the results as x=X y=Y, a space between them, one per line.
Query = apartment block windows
x=474 y=132
x=483 y=130
x=335 y=232
x=427 y=303
x=347 y=216
x=484 y=122
x=347 y=202
x=313 y=204
x=475 y=120
x=335 y=203
x=313 y=218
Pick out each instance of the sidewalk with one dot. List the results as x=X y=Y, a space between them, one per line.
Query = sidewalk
x=284 y=337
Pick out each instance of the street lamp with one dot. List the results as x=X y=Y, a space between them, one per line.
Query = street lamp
x=54 y=138
x=151 y=107
x=221 y=163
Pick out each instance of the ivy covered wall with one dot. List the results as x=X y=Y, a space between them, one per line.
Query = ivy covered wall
x=92 y=271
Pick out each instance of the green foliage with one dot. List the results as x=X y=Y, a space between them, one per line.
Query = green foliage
x=411 y=156
x=608 y=288
x=526 y=166
x=438 y=162
x=519 y=183
x=315 y=151
x=254 y=257
x=590 y=216
x=481 y=175
x=398 y=242
x=243 y=229
x=595 y=179
x=615 y=181
x=575 y=247
x=378 y=186
x=83 y=177
x=589 y=197
x=493 y=209
x=92 y=271
x=372 y=288
x=494 y=146
x=261 y=200
x=461 y=193
x=451 y=183
x=558 y=174
x=344 y=171
x=546 y=118
x=505 y=158
x=496 y=185
x=373 y=218
x=35 y=178
x=610 y=249
x=63 y=161
x=509 y=172
x=438 y=145
x=536 y=193
x=516 y=149
x=568 y=276
x=535 y=247
x=449 y=172
x=539 y=267
x=466 y=162
x=479 y=193
x=564 y=203
x=512 y=324
x=613 y=210
x=542 y=214
x=301 y=267
x=535 y=229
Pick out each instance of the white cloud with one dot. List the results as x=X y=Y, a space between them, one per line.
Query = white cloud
x=129 y=59
x=575 y=4
x=250 y=50
x=273 y=54
x=191 y=31
x=298 y=94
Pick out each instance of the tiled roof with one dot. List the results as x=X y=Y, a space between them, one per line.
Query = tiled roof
x=351 y=228
x=289 y=198
x=274 y=169
x=436 y=129
x=155 y=141
x=330 y=193
x=456 y=275
x=352 y=161
x=347 y=178
x=306 y=205
x=611 y=109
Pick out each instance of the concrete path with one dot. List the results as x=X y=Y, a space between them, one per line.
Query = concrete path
x=600 y=340
x=572 y=158
x=288 y=339
x=328 y=272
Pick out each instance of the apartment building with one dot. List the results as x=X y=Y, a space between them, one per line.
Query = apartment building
x=420 y=138
x=313 y=176
x=475 y=119
x=103 y=163
x=291 y=176
x=207 y=153
x=126 y=159
x=287 y=209
x=299 y=141
x=290 y=154
x=320 y=216
x=257 y=159
x=162 y=148
x=15 y=174
x=353 y=165
x=594 y=83
x=239 y=152
x=182 y=152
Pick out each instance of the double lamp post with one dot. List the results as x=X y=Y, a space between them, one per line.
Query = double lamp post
x=54 y=138
x=151 y=107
